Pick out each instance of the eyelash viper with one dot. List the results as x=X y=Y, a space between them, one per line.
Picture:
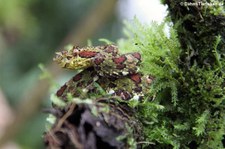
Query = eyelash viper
x=104 y=68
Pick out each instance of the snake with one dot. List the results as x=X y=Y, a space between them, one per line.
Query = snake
x=103 y=71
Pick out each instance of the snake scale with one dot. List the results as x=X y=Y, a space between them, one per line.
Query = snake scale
x=103 y=69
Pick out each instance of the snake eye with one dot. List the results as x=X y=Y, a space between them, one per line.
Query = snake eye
x=76 y=51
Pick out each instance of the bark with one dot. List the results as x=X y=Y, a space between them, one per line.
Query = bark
x=104 y=123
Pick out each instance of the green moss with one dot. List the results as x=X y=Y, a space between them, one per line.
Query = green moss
x=188 y=105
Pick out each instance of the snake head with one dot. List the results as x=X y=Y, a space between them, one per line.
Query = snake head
x=75 y=58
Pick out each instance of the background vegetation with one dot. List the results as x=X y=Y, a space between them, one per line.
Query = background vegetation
x=30 y=32
x=187 y=110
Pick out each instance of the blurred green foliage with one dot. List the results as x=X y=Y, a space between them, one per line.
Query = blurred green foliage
x=31 y=30
x=30 y=33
